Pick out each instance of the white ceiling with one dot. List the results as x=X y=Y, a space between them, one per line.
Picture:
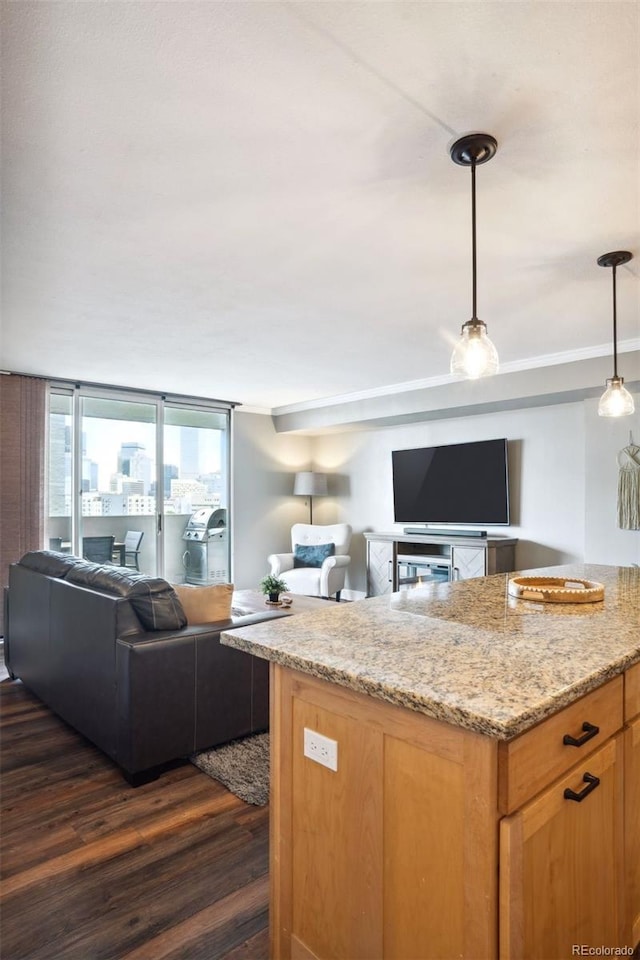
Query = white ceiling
x=255 y=201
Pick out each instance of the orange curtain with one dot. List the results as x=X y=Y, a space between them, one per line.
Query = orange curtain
x=22 y=458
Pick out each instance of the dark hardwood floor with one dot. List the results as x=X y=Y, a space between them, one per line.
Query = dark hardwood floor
x=93 y=869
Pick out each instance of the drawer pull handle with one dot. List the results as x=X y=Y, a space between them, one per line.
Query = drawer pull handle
x=589 y=731
x=591 y=783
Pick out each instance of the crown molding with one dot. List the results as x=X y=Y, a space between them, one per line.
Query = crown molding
x=543 y=384
x=407 y=386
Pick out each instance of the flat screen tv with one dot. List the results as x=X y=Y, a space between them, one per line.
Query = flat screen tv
x=459 y=483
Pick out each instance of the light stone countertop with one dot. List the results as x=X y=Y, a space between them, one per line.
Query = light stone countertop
x=466 y=653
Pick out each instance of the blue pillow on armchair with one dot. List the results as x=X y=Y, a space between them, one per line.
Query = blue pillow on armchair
x=313 y=554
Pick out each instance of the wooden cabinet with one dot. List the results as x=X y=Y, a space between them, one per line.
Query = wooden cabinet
x=387 y=856
x=632 y=799
x=433 y=841
x=561 y=880
x=632 y=827
x=632 y=692
x=380 y=561
x=532 y=761
x=469 y=562
x=461 y=558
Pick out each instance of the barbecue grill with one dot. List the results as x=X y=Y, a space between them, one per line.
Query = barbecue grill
x=206 y=557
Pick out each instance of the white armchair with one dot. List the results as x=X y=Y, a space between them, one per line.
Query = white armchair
x=328 y=577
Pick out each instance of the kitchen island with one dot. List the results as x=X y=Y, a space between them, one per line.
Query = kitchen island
x=484 y=800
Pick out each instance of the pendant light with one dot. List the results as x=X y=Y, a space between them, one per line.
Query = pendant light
x=616 y=401
x=474 y=355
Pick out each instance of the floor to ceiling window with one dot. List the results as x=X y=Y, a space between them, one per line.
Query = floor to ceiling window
x=196 y=481
x=142 y=480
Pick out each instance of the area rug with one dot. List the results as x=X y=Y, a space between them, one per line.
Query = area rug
x=241 y=765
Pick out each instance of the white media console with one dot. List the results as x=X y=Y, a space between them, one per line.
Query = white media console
x=397 y=561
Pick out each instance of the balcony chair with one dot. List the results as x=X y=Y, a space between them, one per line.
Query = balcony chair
x=131 y=549
x=98 y=549
x=318 y=563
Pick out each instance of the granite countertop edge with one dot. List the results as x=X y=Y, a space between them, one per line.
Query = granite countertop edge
x=466 y=653
x=436 y=709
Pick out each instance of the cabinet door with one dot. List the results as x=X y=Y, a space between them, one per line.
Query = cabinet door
x=632 y=827
x=468 y=562
x=390 y=854
x=379 y=567
x=561 y=876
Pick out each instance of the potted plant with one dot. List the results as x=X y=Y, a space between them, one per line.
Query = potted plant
x=273 y=587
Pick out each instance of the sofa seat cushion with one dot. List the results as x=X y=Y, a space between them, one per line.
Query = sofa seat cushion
x=48 y=563
x=152 y=598
x=304 y=580
x=104 y=577
x=205 y=604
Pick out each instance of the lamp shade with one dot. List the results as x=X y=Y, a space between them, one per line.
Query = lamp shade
x=474 y=354
x=616 y=401
x=309 y=484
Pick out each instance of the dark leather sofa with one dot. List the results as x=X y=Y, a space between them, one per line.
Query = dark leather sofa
x=110 y=652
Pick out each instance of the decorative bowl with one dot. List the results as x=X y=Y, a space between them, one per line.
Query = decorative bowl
x=556 y=589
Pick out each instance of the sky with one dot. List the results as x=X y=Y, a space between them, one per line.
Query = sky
x=103 y=439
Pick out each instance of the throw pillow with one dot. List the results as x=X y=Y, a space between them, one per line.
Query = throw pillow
x=205 y=604
x=312 y=554
x=153 y=599
x=156 y=604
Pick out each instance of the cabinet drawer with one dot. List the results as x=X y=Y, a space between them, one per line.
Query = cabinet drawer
x=533 y=760
x=561 y=881
x=632 y=692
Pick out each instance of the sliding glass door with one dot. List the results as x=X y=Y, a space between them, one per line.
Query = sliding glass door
x=196 y=498
x=59 y=519
x=117 y=472
x=131 y=477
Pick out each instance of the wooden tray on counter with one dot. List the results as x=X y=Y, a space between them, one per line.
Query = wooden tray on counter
x=556 y=589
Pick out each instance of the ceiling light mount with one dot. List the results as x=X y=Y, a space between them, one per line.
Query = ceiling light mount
x=474 y=354
x=615 y=259
x=474 y=148
x=616 y=401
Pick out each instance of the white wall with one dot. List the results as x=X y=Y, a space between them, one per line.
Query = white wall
x=563 y=481
x=263 y=504
x=546 y=453
x=604 y=541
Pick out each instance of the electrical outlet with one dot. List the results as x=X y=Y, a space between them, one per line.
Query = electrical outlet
x=321 y=749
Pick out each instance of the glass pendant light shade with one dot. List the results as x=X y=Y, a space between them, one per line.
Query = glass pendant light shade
x=474 y=355
x=616 y=401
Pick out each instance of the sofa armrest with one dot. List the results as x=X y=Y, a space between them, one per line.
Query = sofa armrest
x=280 y=562
x=332 y=574
x=179 y=691
x=201 y=629
x=155 y=678
x=338 y=560
x=5 y=630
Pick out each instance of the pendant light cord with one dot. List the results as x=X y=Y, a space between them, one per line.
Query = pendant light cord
x=615 y=327
x=474 y=318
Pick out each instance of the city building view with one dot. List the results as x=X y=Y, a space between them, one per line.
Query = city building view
x=126 y=471
x=119 y=477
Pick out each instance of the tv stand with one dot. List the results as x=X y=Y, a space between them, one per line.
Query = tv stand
x=397 y=561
